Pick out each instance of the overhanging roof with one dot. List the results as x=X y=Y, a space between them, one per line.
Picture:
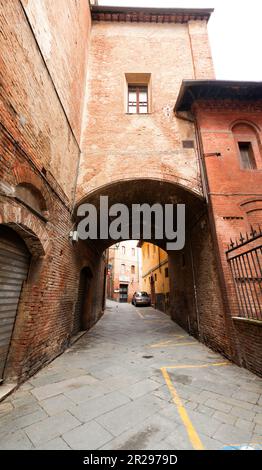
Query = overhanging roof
x=149 y=15
x=193 y=90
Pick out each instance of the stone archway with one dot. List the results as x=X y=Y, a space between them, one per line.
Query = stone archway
x=195 y=294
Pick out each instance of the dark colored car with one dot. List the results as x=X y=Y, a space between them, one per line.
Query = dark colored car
x=141 y=298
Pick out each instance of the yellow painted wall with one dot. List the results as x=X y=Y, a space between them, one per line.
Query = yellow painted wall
x=152 y=257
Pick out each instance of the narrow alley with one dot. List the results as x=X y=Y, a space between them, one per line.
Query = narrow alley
x=135 y=381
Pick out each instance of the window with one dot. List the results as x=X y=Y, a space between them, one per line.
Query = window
x=247 y=159
x=123 y=268
x=155 y=277
x=148 y=250
x=133 y=269
x=166 y=272
x=123 y=250
x=133 y=251
x=137 y=99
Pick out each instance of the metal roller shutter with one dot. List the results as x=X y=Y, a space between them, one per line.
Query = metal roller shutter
x=14 y=265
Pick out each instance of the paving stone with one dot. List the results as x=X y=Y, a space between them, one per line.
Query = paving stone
x=225 y=417
x=55 y=444
x=129 y=415
x=23 y=401
x=29 y=419
x=140 y=388
x=258 y=430
x=244 y=424
x=191 y=405
x=206 y=425
x=16 y=441
x=217 y=405
x=244 y=395
x=178 y=439
x=5 y=407
x=103 y=393
x=146 y=435
x=55 y=405
x=98 y=406
x=257 y=409
x=258 y=418
x=86 y=393
x=21 y=411
x=89 y=436
x=204 y=396
x=229 y=434
x=49 y=390
x=209 y=443
x=242 y=413
x=206 y=410
x=51 y=427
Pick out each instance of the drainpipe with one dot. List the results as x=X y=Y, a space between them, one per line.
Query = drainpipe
x=204 y=184
x=206 y=189
x=195 y=289
x=199 y=152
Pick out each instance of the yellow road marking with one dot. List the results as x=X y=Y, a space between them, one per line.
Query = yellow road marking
x=194 y=366
x=191 y=343
x=192 y=434
x=140 y=314
x=161 y=343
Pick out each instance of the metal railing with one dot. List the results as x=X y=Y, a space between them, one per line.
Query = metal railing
x=245 y=259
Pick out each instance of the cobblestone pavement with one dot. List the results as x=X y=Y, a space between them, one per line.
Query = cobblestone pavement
x=135 y=381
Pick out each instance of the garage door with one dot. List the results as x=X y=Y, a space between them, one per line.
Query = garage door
x=14 y=264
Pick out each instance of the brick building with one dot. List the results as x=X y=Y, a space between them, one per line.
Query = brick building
x=91 y=114
x=124 y=271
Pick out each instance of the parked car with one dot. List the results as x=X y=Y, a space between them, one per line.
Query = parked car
x=141 y=298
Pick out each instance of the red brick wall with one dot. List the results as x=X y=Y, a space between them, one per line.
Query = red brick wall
x=115 y=144
x=62 y=32
x=41 y=104
x=31 y=110
x=201 y=54
x=196 y=302
x=235 y=200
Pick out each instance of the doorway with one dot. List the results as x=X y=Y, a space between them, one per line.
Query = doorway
x=14 y=266
x=83 y=304
x=123 y=293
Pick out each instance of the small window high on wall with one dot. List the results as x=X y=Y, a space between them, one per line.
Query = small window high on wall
x=138 y=93
x=246 y=154
x=137 y=99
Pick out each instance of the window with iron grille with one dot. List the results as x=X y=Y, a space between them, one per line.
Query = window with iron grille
x=137 y=99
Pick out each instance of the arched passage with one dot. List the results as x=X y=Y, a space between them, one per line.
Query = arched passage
x=14 y=266
x=195 y=300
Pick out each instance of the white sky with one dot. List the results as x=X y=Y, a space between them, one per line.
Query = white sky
x=235 y=33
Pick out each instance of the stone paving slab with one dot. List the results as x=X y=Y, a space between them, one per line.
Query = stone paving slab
x=51 y=427
x=89 y=436
x=107 y=391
